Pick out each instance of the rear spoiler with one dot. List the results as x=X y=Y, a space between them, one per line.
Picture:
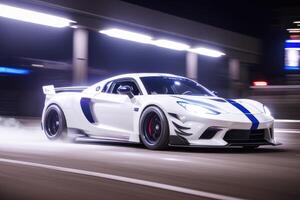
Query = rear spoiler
x=51 y=90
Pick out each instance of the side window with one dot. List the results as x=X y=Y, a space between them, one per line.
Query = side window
x=106 y=87
x=134 y=87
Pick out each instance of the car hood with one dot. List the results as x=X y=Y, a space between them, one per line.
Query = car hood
x=233 y=106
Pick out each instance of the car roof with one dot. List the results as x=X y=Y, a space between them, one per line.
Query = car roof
x=130 y=75
x=138 y=75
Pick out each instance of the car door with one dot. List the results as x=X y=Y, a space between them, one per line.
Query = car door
x=113 y=111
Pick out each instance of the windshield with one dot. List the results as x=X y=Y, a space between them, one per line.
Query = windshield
x=173 y=85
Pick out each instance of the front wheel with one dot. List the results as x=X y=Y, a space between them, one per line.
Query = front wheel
x=154 y=128
x=54 y=125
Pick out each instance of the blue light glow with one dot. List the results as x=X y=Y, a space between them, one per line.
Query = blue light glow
x=292 y=55
x=292 y=68
x=11 y=70
x=292 y=45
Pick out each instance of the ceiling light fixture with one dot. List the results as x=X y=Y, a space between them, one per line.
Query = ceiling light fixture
x=33 y=16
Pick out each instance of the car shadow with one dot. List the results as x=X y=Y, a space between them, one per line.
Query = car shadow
x=219 y=150
x=112 y=143
x=228 y=150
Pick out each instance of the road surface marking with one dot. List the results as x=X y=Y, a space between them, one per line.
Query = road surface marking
x=124 y=179
x=173 y=159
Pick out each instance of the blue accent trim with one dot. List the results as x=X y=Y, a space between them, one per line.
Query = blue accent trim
x=86 y=109
x=11 y=70
x=184 y=103
x=248 y=114
x=198 y=102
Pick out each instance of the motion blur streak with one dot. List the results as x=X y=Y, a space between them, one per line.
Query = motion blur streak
x=288 y=120
x=287 y=131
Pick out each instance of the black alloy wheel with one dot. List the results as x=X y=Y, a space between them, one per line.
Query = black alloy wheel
x=154 y=128
x=54 y=123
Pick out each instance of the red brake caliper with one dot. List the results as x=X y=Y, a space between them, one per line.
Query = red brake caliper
x=150 y=126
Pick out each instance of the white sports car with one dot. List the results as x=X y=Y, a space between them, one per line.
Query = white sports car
x=157 y=110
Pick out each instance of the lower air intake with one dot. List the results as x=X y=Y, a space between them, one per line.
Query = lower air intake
x=236 y=136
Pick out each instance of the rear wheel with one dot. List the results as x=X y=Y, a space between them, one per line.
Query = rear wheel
x=54 y=125
x=154 y=129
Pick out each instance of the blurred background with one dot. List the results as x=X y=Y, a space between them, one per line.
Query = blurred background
x=240 y=49
x=260 y=43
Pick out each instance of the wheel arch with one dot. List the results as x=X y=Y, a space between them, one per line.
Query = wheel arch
x=61 y=131
x=167 y=125
x=155 y=105
x=46 y=108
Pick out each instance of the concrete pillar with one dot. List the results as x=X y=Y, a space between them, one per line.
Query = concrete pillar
x=192 y=65
x=234 y=77
x=80 y=56
x=234 y=69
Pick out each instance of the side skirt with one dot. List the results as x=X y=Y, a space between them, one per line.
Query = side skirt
x=103 y=139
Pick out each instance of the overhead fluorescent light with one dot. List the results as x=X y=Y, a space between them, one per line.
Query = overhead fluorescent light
x=33 y=16
x=292 y=41
x=293 y=48
x=293 y=29
x=207 y=52
x=171 y=45
x=147 y=39
x=127 y=35
x=296 y=22
x=11 y=70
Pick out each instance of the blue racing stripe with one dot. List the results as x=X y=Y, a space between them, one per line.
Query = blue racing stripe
x=250 y=116
x=86 y=109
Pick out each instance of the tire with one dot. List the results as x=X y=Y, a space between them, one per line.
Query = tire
x=55 y=126
x=154 y=128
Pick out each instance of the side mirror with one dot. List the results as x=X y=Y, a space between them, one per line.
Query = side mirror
x=215 y=93
x=126 y=90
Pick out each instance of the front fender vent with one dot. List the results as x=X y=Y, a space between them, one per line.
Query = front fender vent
x=174 y=115
x=180 y=130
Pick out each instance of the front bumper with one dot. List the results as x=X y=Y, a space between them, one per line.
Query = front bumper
x=218 y=131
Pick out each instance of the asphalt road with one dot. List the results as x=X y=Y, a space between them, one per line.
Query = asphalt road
x=31 y=167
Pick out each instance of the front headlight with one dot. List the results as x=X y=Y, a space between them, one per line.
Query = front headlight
x=198 y=109
x=267 y=111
